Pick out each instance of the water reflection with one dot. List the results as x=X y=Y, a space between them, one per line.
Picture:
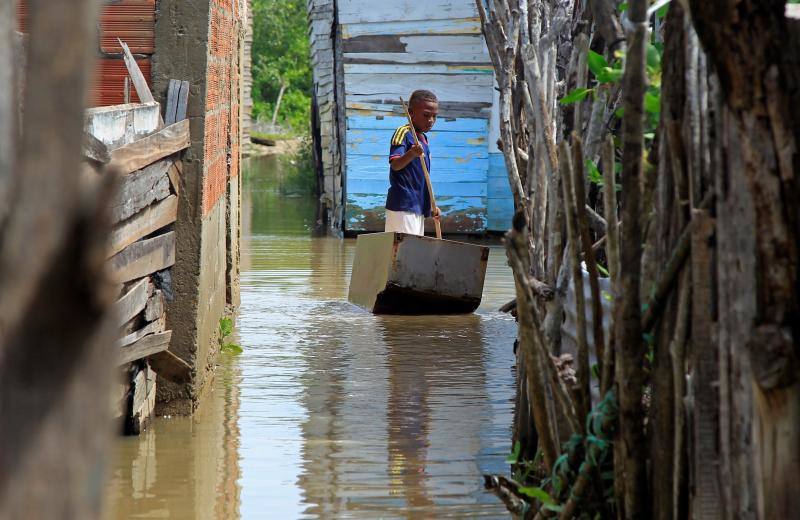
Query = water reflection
x=331 y=412
x=183 y=467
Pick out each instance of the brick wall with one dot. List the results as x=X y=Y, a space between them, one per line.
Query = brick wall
x=134 y=22
x=221 y=152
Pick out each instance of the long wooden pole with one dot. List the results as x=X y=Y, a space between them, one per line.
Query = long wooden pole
x=425 y=170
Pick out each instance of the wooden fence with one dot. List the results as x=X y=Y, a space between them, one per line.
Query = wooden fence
x=144 y=151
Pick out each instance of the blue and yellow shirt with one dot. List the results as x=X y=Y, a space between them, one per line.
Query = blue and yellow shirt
x=407 y=188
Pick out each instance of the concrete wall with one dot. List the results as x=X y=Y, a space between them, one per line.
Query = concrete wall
x=200 y=41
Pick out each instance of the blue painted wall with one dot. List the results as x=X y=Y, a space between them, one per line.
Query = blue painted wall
x=460 y=164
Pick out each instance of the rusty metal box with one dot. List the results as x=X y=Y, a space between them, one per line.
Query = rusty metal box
x=395 y=273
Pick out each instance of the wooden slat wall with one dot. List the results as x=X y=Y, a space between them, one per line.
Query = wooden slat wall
x=388 y=51
x=134 y=22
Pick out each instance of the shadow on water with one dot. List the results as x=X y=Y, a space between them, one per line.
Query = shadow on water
x=331 y=411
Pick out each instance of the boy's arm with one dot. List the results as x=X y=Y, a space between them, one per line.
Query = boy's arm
x=398 y=162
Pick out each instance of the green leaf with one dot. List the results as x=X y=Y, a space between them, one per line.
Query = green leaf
x=603 y=271
x=596 y=62
x=623 y=7
x=652 y=103
x=662 y=12
x=609 y=75
x=232 y=348
x=653 y=57
x=538 y=493
x=607 y=296
x=225 y=327
x=554 y=508
x=513 y=458
x=579 y=94
x=594 y=175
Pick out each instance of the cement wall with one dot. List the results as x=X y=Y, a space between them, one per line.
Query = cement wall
x=200 y=41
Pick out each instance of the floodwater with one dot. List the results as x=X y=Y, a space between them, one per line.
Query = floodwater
x=330 y=412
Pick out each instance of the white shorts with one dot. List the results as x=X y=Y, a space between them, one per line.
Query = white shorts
x=405 y=222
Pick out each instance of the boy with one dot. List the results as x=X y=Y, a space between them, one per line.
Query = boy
x=408 y=201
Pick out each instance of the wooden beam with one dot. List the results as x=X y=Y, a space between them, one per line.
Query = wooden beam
x=153 y=327
x=94 y=150
x=144 y=257
x=155 y=306
x=140 y=189
x=148 y=150
x=147 y=221
x=133 y=302
x=171 y=106
x=171 y=367
x=174 y=173
x=139 y=83
x=147 y=346
x=183 y=101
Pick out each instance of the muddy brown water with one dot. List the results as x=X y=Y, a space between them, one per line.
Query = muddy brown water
x=330 y=412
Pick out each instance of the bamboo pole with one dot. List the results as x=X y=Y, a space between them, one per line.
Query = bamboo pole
x=436 y=221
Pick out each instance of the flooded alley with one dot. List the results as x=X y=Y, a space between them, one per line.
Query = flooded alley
x=330 y=411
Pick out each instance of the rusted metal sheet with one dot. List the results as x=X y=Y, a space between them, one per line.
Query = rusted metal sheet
x=395 y=273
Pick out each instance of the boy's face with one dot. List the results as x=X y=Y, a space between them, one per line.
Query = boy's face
x=423 y=114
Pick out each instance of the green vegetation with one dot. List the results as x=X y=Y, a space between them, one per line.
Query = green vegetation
x=225 y=330
x=281 y=59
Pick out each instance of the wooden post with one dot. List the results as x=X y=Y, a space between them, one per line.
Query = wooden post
x=55 y=359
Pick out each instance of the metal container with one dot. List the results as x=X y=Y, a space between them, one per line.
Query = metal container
x=395 y=273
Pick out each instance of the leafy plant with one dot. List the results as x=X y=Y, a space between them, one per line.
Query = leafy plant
x=281 y=57
x=225 y=330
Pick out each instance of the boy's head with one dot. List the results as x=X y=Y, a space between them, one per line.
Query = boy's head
x=423 y=107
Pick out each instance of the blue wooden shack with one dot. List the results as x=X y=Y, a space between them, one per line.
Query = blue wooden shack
x=365 y=56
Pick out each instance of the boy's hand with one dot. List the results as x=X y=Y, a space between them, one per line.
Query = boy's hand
x=437 y=213
x=417 y=150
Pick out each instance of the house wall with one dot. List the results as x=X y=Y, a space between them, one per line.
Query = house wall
x=200 y=41
x=387 y=51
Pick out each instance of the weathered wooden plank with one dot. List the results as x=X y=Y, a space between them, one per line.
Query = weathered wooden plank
x=133 y=302
x=144 y=257
x=155 y=306
x=390 y=122
x=139 y=154
x=451 y=26
x=94 y=150
x=147 y=346
x=378 y=165
x=150 y=219
x=143 y=402
x=140 y=189
x=154 y=327
x=456 y=189
x=171 y=106
x=462 y=176
x=474 y=88
x=447 y=110
x=174 y=173
x=358 y=11
x=443 y=144
x=183 y=101
x=171 y=367
x=422 y=48
x=460 y=214
x=139 y=83
x=375 y=67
